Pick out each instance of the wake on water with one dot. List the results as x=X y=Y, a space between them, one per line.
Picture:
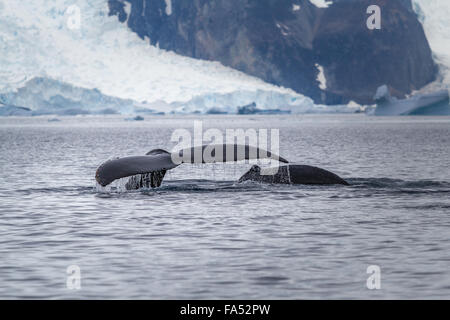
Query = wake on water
x=387 y=185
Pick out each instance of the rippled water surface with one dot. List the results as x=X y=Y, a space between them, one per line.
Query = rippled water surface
x=202 y=235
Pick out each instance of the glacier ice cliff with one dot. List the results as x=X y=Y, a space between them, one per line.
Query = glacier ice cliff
x=44 y=96
x=48 y=96
x=272 y=102
x=9 y=110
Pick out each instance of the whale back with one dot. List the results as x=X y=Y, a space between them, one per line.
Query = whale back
x=309 y=175
x=279 y=176
x=294 y=174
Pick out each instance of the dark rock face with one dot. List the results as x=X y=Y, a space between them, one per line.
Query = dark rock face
x=271 y=40
x=356 y=60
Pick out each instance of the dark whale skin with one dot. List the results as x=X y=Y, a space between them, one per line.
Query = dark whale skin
x=295 y=174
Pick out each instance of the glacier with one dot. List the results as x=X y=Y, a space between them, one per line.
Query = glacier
x=434 y=16
x=39 y=40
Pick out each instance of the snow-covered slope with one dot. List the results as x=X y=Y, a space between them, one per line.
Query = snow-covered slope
x=91 y=50
x=435 y=18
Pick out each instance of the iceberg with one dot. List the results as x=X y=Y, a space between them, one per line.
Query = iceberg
x=436 y=103
x=253 y=109
x=137 y=118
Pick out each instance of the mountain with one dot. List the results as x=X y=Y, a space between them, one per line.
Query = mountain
x=322 y=49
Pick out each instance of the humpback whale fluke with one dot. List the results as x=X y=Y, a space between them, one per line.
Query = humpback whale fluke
x=294 y=174
x=153 y=166
x=149 y=170
x=130 y=166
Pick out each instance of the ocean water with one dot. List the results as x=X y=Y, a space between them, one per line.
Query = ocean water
x=203 y=235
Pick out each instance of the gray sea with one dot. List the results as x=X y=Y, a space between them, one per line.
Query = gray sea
x=203 y=235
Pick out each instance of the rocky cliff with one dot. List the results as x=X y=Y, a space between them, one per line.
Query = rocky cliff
x=326 y=53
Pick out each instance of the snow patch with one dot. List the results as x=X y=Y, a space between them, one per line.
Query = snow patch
x=127 y=9
x=283 y=29
x=168 y=7
x=321 y=3
x=321 y=77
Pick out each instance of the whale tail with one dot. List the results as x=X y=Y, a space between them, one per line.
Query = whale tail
x=152 y=179
x=148 y=171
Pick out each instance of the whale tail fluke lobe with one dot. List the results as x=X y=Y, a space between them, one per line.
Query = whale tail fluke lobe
x=152 y=166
